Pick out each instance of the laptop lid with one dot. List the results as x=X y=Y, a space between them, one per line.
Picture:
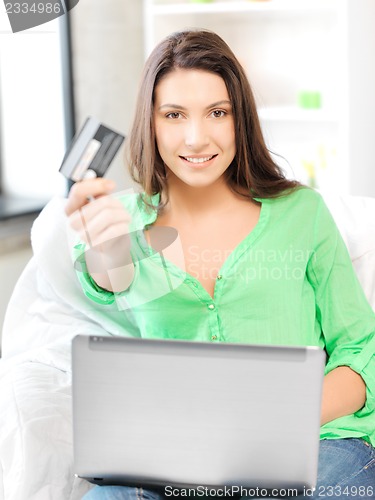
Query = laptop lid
x=186 y=414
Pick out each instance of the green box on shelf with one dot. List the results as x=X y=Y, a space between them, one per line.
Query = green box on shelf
x=308 y=99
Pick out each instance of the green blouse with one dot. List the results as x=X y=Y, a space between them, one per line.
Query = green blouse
x=289 y=282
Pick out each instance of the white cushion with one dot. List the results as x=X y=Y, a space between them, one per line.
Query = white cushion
x=355 y=218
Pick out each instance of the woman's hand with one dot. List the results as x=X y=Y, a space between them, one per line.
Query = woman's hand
x=103 y=224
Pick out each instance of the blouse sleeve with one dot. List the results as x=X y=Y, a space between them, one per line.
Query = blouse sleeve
x=89 y=286
x=346 y=318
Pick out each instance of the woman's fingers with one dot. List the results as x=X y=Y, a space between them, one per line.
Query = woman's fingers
x=103 y=219
x=115 y=240
x=106 y=225
x=81 y=192
x=91 y=210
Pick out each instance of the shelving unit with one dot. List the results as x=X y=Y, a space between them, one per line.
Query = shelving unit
x=293 y=46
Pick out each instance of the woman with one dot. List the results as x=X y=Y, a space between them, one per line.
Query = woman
x=258 y=258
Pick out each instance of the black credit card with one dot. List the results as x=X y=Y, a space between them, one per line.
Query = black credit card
x=94 y=148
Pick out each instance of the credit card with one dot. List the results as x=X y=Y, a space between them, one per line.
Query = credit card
x=94 y=148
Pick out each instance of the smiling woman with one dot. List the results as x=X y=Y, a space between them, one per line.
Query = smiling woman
x=258 y=259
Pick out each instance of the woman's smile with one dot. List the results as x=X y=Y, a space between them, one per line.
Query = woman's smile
x=199 y=161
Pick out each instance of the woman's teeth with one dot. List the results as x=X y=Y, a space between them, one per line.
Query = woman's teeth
x=197 y=160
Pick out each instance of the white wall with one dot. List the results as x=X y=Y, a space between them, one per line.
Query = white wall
x=108 y=60
x=361 y=96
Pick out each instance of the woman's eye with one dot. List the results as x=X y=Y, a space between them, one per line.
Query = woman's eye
x=173 y=116
x=218 y=113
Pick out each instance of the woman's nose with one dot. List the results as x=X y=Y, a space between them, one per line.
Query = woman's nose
x=196 y=136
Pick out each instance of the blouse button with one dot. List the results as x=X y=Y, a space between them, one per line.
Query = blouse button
x=214 y=337
x=211 y=307
x=219 y=276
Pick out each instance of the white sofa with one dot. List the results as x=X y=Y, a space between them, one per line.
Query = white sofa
x=46 y=310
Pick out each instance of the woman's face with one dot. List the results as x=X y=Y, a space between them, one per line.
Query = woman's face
x=194 y=127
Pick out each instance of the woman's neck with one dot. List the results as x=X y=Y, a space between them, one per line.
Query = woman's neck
x=195 y=203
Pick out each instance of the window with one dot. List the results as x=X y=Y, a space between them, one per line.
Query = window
x=36 y=113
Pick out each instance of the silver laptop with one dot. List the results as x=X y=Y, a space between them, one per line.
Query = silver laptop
x=186 y=414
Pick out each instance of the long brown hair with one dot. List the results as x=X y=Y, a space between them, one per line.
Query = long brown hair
x=253 y=170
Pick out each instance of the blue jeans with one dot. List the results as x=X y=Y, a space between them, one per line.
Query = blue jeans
x=346 y=470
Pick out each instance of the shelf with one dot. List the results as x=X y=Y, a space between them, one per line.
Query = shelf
x=270 y=6
x=294 y=114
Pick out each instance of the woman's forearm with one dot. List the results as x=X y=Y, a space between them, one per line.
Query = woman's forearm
x=344 y=392
x=113 y=272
